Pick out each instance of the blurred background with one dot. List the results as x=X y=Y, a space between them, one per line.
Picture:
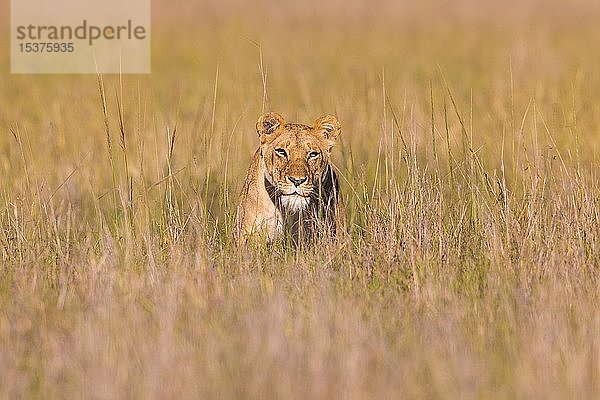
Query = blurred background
x=332 y=56
x=217 y=65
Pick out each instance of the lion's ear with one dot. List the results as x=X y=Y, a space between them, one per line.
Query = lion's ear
x=327 y=127
x=267 y=125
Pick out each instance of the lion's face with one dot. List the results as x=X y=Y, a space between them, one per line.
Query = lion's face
x=296 y=157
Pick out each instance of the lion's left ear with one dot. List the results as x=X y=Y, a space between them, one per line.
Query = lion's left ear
x=327 y=127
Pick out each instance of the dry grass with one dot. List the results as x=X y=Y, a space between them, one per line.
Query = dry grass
x=469 y=163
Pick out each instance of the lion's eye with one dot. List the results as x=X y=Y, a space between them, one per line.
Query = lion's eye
x=313 y=154
x=281 y=152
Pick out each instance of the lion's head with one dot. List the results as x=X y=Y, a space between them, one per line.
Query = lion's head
x=296 y=157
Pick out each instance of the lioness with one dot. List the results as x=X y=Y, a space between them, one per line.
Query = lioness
x=291 y=187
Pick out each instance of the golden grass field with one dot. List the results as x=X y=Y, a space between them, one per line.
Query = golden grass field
x=469 y=164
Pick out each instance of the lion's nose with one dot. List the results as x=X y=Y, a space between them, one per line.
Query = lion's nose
x=296 y=181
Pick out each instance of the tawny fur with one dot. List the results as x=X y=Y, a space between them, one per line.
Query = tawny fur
x=291 y=188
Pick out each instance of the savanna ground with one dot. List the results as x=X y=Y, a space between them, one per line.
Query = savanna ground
x=469 y=161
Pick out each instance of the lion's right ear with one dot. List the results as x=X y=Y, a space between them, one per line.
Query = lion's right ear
x=267 y=125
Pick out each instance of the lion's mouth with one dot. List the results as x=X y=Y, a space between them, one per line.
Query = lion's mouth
x=295 y=194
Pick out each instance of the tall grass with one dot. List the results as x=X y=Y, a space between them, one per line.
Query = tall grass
x=468 y=162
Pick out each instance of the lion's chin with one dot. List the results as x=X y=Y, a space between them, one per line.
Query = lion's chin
x=295 y=202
